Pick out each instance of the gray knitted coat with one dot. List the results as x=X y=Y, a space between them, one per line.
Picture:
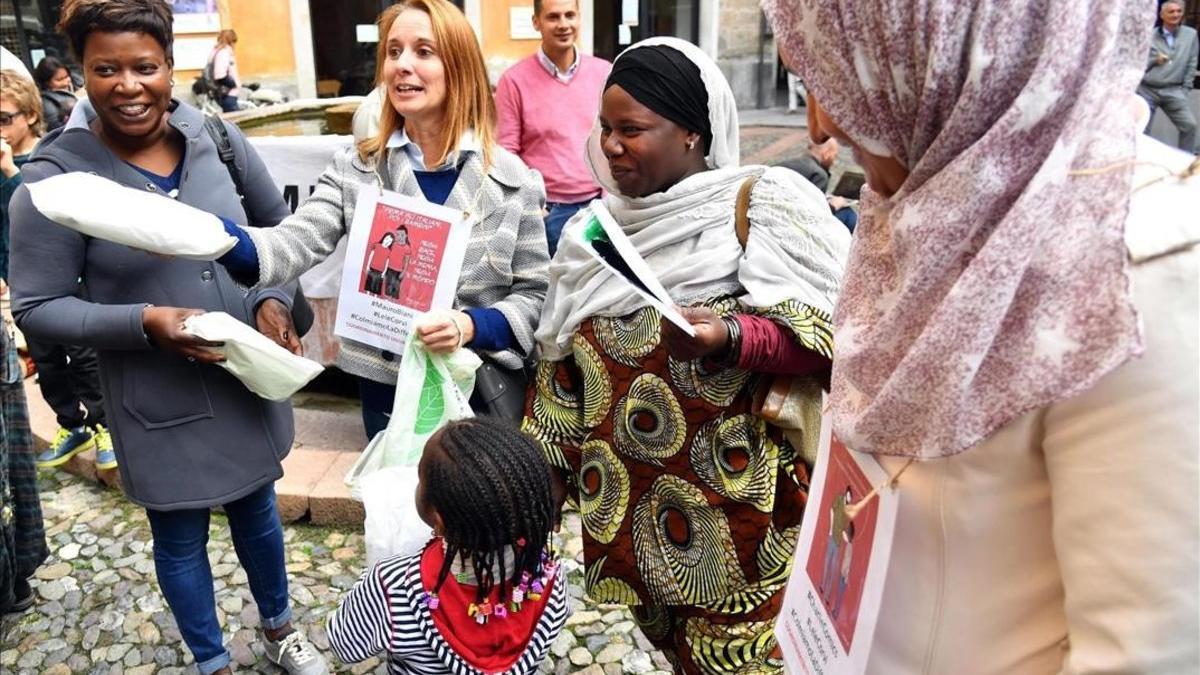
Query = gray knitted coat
x=187 y=435
x=505 y=267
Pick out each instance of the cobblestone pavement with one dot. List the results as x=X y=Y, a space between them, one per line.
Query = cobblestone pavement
x=771 y=145
x=100 y=611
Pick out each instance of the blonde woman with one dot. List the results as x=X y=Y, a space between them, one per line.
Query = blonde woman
x=221 y=70
x=436 y=141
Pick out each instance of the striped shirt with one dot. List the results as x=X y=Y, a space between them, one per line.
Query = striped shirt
x=383 y=612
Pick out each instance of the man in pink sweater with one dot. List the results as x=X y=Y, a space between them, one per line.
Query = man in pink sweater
x=548 y=104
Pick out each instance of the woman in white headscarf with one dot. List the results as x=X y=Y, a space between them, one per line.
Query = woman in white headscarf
x=1019 y=315
x=691 y=503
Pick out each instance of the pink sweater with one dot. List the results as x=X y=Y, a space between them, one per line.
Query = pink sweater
x=546 y=122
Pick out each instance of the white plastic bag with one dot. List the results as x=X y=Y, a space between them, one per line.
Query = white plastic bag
x=431 y=390
x=393 y=526
x=101 y=208
x=264 y=367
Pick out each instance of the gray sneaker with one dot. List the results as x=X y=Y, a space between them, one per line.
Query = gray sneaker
x=295 y=654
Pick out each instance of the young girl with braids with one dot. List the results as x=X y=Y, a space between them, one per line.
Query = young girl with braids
x=484 y=596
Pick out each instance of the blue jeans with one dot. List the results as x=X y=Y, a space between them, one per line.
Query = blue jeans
x=848 y=216
x=377 y=400
x=184 y=575
x=559 y=214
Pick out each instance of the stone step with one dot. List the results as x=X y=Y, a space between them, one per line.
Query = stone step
x=327 y=444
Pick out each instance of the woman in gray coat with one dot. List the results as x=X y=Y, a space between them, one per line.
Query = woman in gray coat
x=436 y=141
x=188 y=435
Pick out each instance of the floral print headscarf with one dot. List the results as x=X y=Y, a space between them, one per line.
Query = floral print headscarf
x=994 y=281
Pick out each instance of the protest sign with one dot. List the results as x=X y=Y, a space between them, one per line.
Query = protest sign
x=403 y=259
x=833 y=597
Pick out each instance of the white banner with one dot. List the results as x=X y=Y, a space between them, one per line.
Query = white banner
x=296 y=162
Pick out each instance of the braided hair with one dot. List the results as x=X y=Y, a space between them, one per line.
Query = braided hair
x=491 y=485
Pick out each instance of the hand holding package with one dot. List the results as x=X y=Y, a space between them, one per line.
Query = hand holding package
x=264 y=367
x=101 y=208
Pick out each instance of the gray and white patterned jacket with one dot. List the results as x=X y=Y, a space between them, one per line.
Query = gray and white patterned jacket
x=505 y=267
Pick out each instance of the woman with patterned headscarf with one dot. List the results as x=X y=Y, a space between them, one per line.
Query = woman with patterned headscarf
x=690 y=503
x=1020 y=317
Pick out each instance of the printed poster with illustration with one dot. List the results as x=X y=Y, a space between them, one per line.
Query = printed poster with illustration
x=832 y=601
x=403 y=259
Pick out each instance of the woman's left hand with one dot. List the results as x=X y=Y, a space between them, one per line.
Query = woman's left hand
x=274 y=319
x=712 y=336
x=447 y=331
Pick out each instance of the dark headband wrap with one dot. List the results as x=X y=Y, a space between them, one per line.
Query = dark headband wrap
x=667 y=82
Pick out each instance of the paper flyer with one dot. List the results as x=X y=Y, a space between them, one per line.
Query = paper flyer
x=403 y=259
x=832 y=601
x=607 y=243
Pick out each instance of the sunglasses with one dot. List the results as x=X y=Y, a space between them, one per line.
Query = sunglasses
x=7 y=118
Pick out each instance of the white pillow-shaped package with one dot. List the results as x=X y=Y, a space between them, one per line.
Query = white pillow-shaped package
x=101 y=208
x=264 y=367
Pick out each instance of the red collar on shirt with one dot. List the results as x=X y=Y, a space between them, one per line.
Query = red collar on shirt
x=492 y=647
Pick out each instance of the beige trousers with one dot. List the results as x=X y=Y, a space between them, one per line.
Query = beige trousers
x=1070 y=540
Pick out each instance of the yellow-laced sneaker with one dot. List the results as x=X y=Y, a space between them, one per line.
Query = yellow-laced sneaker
x=66 y=444
x=106 y=457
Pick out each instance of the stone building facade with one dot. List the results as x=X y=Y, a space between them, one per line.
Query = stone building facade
x=745 y=50
x=283 y=47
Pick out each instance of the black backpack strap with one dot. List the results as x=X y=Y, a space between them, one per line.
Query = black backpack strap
x=220 y=136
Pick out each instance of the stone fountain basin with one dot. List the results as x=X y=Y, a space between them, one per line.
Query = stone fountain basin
x=302 y=117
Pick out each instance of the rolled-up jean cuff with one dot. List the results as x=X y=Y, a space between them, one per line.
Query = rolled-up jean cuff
x=214 y=664
x=277 y=621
